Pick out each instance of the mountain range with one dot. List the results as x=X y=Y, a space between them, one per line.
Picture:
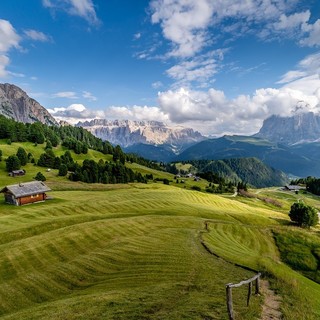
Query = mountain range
x=290 y=144
x=145 y=136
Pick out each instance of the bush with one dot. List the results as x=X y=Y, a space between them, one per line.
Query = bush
x=197 y=188
x=305 y=216
x=166 y=181
x=40 y=177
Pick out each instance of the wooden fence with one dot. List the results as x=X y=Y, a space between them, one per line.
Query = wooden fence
x=229 y=287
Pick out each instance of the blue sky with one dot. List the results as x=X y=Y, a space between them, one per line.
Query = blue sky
x=219 y=66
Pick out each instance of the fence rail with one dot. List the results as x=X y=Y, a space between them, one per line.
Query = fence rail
x=229 y=287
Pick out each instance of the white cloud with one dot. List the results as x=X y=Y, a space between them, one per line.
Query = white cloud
x=212 y=113
x=190 y=26
x=88 y=95
x=137 y=113
x=4 y=62
x=308 y=66
x=8 y=39
x=82 y=8
x=65 y=94
x=137 y=36
x=183 y=23
x=78 y=112
x=75 y=113
x=157 y=85
x=291 y=76
x=292 y=21
x=312 y=38
x=199 y=69
x=37 y=35
x=8 y=36
x=16 y=75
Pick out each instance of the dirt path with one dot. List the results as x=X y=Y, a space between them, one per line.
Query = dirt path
x=271 y=305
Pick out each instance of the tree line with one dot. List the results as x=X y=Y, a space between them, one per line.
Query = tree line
x=312 y=184
x=73 y=138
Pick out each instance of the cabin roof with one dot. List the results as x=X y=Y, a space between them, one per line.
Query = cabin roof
x=26 y=188
x=294 y=187
x=18 y=171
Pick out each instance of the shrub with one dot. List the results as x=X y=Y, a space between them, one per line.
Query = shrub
x=197 y=188
x=40 y=177
x=166 y=181
x=305 y=216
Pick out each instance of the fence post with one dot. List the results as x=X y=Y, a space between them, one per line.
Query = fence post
x=229 y=301
x=249 y=293
x=258 y=285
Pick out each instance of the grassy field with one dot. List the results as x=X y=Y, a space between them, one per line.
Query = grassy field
x=143 y=251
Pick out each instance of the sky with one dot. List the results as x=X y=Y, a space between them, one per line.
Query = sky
x=217 y=66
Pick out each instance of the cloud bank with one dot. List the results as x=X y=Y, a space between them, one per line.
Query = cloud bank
x=212 y=113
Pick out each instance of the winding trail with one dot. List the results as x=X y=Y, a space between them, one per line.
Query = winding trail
x=271 y=305
x=272 y=302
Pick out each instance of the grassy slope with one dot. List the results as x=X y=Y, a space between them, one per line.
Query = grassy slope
x=122 y=254
x=134 y=252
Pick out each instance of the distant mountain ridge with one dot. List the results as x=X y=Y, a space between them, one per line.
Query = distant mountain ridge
x=17 y=105
x=292 y=160
x=129 y=133
x=299 y=128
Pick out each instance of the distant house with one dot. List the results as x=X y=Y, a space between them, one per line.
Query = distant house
x=294 y=188
x=17 y=173
x=24 y=193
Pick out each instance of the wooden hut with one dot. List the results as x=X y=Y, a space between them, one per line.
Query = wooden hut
x=17 y=173
x=24 y=193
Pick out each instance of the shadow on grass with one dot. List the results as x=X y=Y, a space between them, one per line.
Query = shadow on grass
x=283 y=222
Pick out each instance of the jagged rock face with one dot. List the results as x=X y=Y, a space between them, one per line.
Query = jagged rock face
x=17 y=105
x=127 y=133
x=300 y=128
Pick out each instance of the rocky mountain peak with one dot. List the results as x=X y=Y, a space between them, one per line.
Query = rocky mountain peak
x=299 y=128
x=17 y=105
x=127 y=133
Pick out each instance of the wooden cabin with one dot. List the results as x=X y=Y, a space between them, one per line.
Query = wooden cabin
x=17 y=173
x=24 y=193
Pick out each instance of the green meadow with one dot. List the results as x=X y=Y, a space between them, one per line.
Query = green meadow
x=144 y=251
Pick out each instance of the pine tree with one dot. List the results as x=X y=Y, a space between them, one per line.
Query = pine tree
x=22 y=155
x=12 y=163
x=40 y=177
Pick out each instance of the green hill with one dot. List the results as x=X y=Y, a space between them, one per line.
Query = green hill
x=143 y=251
x=250 y=170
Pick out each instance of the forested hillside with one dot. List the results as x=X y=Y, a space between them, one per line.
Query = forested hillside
x=72 y=138
x=249 y=170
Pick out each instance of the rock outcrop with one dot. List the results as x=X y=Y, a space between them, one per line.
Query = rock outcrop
x=300 y=128
x=17 y=105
